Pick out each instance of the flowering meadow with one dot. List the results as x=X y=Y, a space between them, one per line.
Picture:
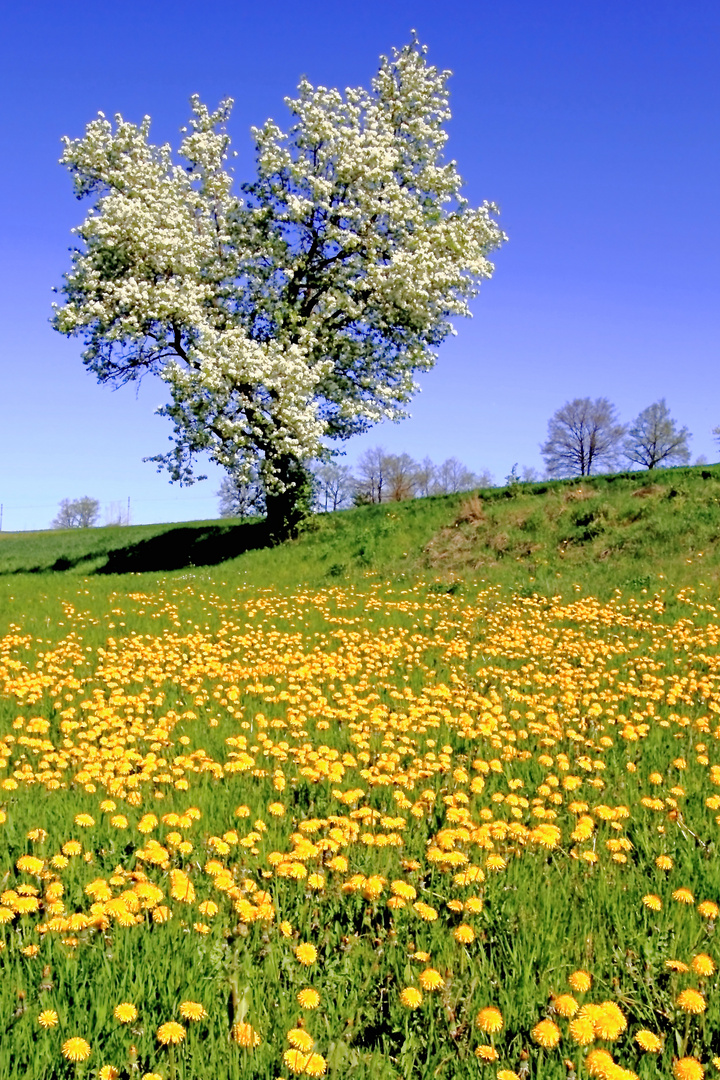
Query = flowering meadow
x=358 y=831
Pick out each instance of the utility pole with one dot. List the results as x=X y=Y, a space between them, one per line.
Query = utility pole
x=128 y=512
x=1 y=513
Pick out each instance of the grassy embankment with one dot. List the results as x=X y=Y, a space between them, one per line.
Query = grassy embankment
x=609 y=531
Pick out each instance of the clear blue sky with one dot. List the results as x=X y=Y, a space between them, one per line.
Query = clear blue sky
x=594 y=125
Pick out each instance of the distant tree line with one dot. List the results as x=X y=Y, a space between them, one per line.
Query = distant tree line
x=84 y=513
x=378 y=477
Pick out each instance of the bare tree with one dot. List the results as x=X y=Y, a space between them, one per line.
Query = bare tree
x=117 y=513
x=77 y=513
x=529 y=474
x=655 y=439
x=452 y=476
x=241 y=498
x=425 y=476
x=400 y=472
x=334 y=485
x=582 y=435
x=371 y=475
x=484 y=479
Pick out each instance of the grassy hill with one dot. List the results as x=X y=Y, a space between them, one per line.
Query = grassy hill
x=608 y=531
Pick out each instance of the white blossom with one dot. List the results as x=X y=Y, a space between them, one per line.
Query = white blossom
x=293 y=312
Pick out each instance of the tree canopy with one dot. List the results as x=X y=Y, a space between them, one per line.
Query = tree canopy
x=297 y=310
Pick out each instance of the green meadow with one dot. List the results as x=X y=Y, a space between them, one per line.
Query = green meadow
x=431 y=791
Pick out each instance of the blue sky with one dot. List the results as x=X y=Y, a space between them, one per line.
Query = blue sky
x=595 y=126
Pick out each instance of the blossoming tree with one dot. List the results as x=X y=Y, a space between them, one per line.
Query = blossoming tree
x=298 y=310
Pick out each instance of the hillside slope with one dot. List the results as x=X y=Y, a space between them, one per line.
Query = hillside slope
x=616 y=529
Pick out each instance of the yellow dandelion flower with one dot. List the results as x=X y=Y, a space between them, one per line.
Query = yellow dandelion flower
x=580 y=981
x=496 y=863
x=306 y=954
x=245 y=1035
x=600 y=1063
x=308 y=998
x=171 y=1032
x=300 y=1039
x=48 y=1018
x=565 y=1005
x=664 y=862
x=609 y=1021
x=316 y=1065
x=85 y=821
x=582 y=1030
x=29 y=864
x=546 y=1034
x=648 y=1041
x=702 y=964
x=652 y=901
x=688 y=1068
x=486 y=1053
x=404 y=890
x=181 y=888
x=430 y=979
x=507 y=1074
x=683 y=896
x=691 y=1001
x=192 y=1010
x=489 y=1019
x=125 y=1012
x=108 y=1072
x=464 y=934
x=76 y=1049
x=296 y=1060
x=411 y=997
x=708 y=909
x=677 y=965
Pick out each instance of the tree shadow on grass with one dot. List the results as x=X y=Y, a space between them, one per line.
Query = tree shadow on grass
x=174 y=549
x=186 y=546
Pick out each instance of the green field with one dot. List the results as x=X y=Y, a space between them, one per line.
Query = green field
x=431 y=791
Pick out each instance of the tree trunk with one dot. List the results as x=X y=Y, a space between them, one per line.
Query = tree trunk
x=286 y=510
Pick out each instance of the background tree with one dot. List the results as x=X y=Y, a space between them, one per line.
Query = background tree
x=583 y=436
x=453 y=476
x=117 y=513
x=241 y=496
x=371 y=475
x=654 y=439
x=77 y=513
x=400 y=477
x=292 y=313
x=334 y=485
x=425 y=474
